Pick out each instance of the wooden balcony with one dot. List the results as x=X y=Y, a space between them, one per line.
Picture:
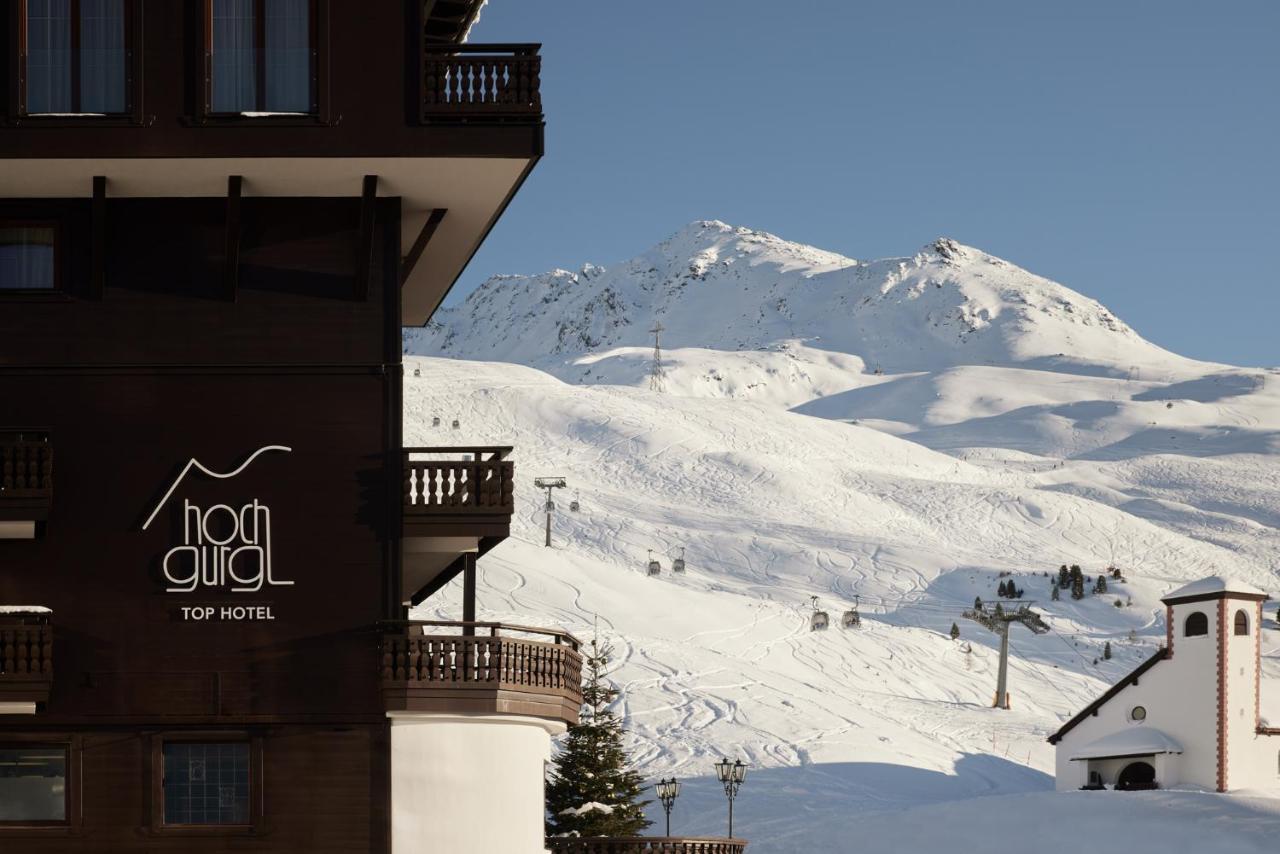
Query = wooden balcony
x=646 y=845
x=487 y=668
x=26 y=657
x=458 y=492
x=481 y=83
x=26 y=479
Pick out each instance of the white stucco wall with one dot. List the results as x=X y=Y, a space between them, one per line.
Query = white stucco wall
x=468 y=784
x=1180 y=695
x=1253 y=761
x=1181 y=698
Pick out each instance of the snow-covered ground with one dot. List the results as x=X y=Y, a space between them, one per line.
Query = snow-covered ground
x=897 y=433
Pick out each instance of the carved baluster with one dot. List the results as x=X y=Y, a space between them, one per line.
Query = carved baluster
x=535 y=84
x=508 y=486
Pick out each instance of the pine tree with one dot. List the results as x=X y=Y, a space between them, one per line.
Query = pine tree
x=955 y=632
x=1064 y=577
x=591 y=767
x=1102 y=584
x=1106 y=651
x=977 y=603
x=1076 y=577
x=1003 y=590
x=1054 y=593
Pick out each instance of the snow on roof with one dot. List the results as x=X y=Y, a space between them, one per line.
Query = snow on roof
x=1213 y=584
x=24 y=609
x=1134 y=741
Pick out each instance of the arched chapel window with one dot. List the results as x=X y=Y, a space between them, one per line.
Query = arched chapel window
x=1242 y=622
x=1197 y=624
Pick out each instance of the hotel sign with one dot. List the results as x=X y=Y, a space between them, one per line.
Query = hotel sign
x=223 y=547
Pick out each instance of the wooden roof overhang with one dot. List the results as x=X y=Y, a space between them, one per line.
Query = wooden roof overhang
x=449 y=21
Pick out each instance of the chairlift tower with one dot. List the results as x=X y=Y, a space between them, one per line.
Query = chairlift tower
x=657 y=374
x=549 y=484
x=998 y=620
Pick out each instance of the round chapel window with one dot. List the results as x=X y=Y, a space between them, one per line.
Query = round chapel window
x=1138 y=714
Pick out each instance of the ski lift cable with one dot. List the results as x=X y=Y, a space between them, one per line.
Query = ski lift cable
x=1036 y=670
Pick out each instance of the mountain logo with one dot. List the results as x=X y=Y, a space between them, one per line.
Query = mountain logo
x=222 y=546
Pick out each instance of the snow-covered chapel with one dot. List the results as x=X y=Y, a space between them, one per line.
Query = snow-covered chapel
x=1190 y=714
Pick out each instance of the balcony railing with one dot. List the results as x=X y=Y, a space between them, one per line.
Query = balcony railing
x=481 y=667
x=500 y=82
x=645 y=845
x=26 y=656
x=459 y=481
x=26 y=468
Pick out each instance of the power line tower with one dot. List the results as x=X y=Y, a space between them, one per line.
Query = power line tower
x=657 y=374
x=998 y=620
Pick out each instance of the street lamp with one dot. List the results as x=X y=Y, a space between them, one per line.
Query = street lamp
x=549 y=484
x=668 y=791
x=731 y=775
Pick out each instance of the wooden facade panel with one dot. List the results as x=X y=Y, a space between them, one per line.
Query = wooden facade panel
x=363 y=48
x=324 y=792
x=166 y=302
x=326 y=508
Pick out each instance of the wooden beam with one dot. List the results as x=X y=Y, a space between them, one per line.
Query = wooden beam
x=469 y=591
x=231 y=260
x=364 y=252
x=419 y=246
x=98 y=276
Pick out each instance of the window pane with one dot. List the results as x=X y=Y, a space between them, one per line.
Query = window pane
x=234 y=63
x=49 y=56
x=33 y=784
x=288 y=56
x=206 y=783
x=26 y=257
x=102 y=56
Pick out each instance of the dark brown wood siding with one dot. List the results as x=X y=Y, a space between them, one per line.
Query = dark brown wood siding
x=128 y=388
x=370 y=98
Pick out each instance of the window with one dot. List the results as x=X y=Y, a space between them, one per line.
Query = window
x=1197 y=624
x=1242 y=622
x=1138 y=714
x=33 y=785
x=77 y=57
x=207 y=783
x=261 y=57
x=28 y=256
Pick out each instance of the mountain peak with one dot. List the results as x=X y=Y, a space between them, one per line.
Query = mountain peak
x=721 y=287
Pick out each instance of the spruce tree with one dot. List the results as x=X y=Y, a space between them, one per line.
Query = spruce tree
x=1106 y=651
x=1054 y=593
x=1102 y=584
x=1002 y=591
x=955 y=632
x=977 y=603
x=1077 y=583
x=591 y=767
x=1064 y=577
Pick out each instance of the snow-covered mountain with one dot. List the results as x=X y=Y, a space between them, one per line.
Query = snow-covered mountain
x=722 y=288
x=893 y=433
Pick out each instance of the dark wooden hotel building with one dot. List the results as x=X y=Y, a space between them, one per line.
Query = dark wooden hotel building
x=215 y=217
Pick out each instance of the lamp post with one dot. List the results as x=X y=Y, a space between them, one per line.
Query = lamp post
x=668 y=791
x=731 y=775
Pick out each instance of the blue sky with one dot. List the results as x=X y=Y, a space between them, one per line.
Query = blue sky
x=1126 y=148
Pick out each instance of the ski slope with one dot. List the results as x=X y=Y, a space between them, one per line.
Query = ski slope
x=866 y=455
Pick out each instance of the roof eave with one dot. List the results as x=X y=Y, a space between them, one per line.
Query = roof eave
x=1093 y=707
